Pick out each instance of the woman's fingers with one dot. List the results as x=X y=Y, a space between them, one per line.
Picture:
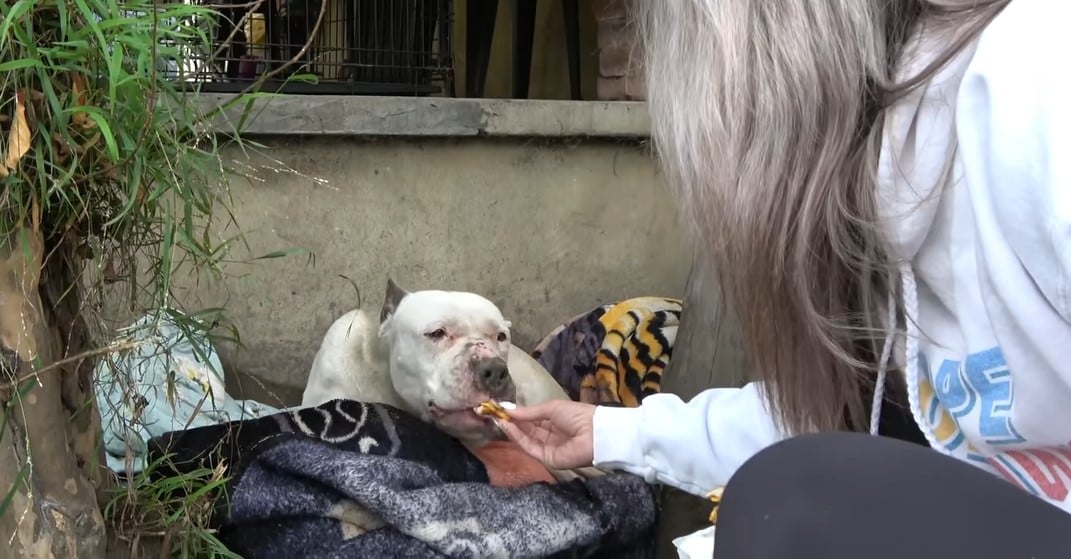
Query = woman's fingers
x=537 y=430
x=529 y=413
x=531 y=445
x=543 y=431
x=533 y=413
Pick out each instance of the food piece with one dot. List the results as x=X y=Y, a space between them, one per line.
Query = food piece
x=494 y=408
x=715 y=497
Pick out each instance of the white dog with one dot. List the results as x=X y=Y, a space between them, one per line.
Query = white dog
x=435 y=354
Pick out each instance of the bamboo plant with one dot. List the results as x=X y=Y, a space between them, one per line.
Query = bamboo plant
x=107 y=165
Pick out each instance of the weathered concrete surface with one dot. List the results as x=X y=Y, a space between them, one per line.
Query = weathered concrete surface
x=341 y=115
x=546 y=230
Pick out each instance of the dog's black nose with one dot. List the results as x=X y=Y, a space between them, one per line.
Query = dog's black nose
x=492 y=373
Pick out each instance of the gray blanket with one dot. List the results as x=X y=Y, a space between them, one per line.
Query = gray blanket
x=348 y=479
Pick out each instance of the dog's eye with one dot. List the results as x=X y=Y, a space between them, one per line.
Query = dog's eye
x=502 y=336
x=437 y=334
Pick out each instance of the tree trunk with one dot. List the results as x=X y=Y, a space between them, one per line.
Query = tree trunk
x=50 y=450
x=707 y=352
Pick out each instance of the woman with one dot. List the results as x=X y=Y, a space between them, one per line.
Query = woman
x=880 y=187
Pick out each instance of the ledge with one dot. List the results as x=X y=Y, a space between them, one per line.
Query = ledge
x=338 y=115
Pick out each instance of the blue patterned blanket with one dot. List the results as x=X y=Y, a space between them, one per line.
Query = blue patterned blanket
x=349 y=479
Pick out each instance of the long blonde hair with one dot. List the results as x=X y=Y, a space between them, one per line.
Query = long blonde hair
x=767 y=116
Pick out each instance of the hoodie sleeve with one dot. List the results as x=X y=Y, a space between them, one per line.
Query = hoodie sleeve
x=694 y=446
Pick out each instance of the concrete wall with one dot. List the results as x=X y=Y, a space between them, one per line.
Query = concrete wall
x=546 y=227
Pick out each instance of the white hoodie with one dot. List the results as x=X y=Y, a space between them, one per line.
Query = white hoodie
x=986 y=277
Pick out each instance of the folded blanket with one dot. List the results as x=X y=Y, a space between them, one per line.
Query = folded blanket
x=614 y=354
x=170 y=379
x=349 y=479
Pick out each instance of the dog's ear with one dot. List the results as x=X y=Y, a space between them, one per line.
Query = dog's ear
x=395 y=294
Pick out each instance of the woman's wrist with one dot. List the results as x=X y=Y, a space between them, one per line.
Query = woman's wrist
x=615 y=436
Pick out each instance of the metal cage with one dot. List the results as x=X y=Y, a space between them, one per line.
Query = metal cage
x=362 y=47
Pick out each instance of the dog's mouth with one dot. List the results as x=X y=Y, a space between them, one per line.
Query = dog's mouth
x=455 y=414
x=462 y=422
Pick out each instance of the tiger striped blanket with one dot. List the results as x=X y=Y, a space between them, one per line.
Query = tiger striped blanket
x=615 y=354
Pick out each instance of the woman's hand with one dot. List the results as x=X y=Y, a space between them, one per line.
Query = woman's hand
x=559 y=432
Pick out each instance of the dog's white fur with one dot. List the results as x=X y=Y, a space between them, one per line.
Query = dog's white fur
x=394 y=361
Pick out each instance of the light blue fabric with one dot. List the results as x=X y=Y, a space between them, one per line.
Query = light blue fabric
x=171 y=380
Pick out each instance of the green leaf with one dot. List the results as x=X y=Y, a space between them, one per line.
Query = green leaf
x=166 y=256
x=115 y=70
x=89 y=20
x=54 y=104
x=21 y=391
x=148 y=125
x=105 y=129
x=12 y=15
x=304 y=78
x=20 y=478
x=63 y=17
x=20 y=64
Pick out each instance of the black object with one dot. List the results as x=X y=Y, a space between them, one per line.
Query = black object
x=851 y=495
x=480 y=23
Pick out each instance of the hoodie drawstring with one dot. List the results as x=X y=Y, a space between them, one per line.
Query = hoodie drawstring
x=883 y=365
x=910 y=295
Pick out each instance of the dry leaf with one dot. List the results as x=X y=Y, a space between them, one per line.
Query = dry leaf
x=18 y=138
x=78 y=88
x=60 y=148
x=715 y=499
x=92 y=141
x=109 y=274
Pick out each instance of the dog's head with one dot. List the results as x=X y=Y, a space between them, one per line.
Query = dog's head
x=448 y=352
